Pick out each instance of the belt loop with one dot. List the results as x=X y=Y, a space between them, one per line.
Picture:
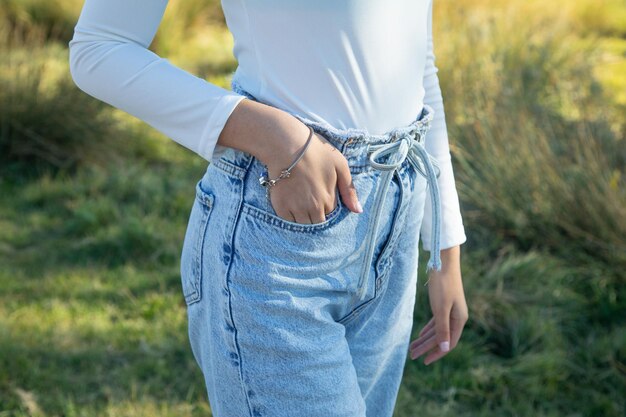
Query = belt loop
x=346 y=145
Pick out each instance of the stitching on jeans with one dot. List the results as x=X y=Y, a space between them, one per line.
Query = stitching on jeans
x=280 y=223
x=230 y=169
x=357 y=310
x=227 y=283
x=206 y=200
x=399 y=219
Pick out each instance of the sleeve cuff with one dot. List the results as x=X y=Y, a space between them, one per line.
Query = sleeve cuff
x=208 y=142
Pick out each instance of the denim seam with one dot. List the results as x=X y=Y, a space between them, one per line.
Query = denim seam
x=230 y=168
x=206 y=201
x=278 y=222
x=227 y=283
x=384 y=275
x=379 y=281
x=354 y=313
x=384 y=260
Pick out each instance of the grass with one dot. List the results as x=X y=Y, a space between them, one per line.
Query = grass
x=92 y=319
x=91 y=313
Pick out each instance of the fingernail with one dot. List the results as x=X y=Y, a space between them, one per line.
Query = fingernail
x=359 y=207
x=444 y=346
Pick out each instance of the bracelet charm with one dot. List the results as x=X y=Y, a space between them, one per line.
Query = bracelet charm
x=268 y=183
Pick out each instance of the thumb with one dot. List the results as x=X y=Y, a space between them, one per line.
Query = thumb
x=346 y=187
x=442 y=329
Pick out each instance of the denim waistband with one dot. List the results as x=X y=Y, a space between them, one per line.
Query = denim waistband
x=356 y=144
x=385 y=152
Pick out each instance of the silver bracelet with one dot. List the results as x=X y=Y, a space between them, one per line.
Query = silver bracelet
x=266 y=182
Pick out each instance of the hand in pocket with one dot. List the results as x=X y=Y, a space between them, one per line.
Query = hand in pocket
x=308 y=194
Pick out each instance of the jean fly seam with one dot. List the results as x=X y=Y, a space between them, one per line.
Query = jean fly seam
x=383 y=258
x=395 y=229
x=354 y=313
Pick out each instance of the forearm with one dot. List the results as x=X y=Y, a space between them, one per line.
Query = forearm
x=451 y=258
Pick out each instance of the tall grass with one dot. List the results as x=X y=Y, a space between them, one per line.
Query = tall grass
x=46 y=123
x=540 y=155
x=539 y=151
x=55 y=19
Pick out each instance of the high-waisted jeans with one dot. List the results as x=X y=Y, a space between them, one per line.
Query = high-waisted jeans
x=309 y=320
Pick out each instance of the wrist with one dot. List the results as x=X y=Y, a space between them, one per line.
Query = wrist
x=271 y=135
x=282 y=144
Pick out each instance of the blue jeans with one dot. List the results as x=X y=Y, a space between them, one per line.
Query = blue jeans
x=291 y=319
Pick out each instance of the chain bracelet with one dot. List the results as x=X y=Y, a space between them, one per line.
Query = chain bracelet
x=266 y=182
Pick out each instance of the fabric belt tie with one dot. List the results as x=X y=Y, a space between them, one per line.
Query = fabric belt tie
x=410 y=146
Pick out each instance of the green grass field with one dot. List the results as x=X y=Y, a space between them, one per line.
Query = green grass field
x=94 y=204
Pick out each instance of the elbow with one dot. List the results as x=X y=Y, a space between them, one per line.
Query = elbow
x=86 y=56
x=73 y=47
x=83 y=62
x=73 y=66
x=97 y=64
x=77 y=65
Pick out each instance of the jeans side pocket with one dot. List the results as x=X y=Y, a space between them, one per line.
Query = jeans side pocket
x=192 y=252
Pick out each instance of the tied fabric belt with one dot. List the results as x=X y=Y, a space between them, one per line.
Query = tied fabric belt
x=408 y=146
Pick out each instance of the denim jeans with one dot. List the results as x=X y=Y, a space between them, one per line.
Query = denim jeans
x=307 y=320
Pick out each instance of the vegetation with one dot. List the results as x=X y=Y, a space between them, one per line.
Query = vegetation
x=94 y=206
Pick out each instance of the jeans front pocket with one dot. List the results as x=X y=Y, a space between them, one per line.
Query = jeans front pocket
x=257 y=204
x=274 y=220
x=269 y=245
x=193 y=244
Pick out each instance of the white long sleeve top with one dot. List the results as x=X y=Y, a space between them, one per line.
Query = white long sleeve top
x=365 y=64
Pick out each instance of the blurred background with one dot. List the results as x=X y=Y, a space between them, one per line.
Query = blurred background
x=94 y=205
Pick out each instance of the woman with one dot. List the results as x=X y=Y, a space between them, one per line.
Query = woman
x=300 y=285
